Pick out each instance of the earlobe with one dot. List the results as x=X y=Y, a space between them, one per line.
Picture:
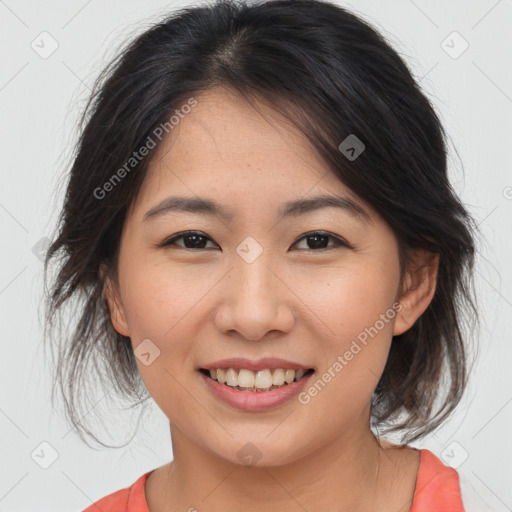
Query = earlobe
x=418 y=290
x=115 y=307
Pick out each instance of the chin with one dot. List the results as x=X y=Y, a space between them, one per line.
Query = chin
x=255 y=452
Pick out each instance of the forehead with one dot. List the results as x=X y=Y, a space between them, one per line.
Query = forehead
x=250 y=157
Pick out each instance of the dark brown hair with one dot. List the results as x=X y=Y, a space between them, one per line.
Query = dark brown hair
x=332 y=75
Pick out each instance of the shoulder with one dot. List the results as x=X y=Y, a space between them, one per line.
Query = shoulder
x=437 y=486
x=129 y=499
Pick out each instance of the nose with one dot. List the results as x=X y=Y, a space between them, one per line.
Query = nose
x=256 y=299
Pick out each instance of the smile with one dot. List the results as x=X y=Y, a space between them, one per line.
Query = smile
x=249 y=397
x=264 y=380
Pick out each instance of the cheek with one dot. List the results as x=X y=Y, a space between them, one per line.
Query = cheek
x=351 y=300
x=159 y=297
x=159 y=303
x=358 y=311
x=357 y=307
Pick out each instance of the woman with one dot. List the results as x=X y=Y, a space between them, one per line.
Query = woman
x=262 y=235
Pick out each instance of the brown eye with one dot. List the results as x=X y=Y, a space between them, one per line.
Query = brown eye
x=191 y=240
x=317 y=240
x=320 y=240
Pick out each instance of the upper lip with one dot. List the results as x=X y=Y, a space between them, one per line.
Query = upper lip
x=257 y=365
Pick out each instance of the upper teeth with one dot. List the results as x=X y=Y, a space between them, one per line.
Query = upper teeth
x=262 y=379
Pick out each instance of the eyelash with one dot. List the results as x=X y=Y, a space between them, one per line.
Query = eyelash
x=339 y=242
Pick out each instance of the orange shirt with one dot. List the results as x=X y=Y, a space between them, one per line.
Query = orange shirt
x=437 y=490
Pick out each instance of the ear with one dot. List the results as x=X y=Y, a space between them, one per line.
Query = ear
x=113 y=300
x=418 y=289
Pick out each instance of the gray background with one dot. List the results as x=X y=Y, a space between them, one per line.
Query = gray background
x=40 y=98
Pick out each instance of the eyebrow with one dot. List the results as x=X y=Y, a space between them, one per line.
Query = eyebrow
x=295 y=208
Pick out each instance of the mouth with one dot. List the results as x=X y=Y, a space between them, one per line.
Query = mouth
x=269 y=379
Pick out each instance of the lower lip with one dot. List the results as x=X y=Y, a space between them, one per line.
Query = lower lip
x=255 y=400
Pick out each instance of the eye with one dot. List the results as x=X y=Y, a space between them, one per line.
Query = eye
x=197 y=240
x=192 y=240
x=318 y=240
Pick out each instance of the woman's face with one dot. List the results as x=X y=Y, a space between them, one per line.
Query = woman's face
x=252 y=285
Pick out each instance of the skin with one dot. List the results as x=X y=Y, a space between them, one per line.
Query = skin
x=294 y=301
